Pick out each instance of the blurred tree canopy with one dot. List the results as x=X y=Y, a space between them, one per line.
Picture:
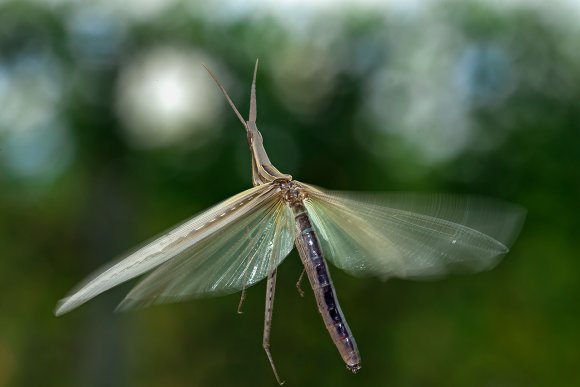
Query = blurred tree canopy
x=111 y=131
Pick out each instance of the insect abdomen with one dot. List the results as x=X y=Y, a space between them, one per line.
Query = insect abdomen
x=313 y=260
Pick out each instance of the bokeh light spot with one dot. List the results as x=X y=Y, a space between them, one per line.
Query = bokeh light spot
x=165 y=95
x=36 y=143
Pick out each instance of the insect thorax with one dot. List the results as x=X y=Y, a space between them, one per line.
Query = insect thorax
x=293 y=192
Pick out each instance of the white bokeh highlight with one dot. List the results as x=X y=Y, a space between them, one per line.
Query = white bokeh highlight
x=164 y=96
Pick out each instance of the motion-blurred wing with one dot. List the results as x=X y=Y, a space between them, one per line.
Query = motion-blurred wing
x=229 y=222
x=412 y=235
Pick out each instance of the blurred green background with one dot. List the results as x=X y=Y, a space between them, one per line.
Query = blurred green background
x=111 y=131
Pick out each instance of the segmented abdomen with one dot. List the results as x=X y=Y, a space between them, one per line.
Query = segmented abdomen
x=313 y=260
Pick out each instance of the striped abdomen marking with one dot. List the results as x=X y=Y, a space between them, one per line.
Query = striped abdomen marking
x=319 y=277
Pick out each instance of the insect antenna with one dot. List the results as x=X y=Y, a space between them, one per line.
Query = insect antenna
x=253 y=106
x=228 y=97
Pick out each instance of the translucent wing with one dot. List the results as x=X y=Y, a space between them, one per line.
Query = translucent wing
x=225 y=223
x=238 y=256
x=410 y=235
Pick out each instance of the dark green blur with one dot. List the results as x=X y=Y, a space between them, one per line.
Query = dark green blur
x=516 y=325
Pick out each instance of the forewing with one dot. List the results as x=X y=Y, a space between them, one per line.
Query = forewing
x=237 y=257
x=239 y=209
x=412 y=235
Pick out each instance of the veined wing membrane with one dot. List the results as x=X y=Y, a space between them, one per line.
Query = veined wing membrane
x=236 y=211
x=236 y=257
x=412 y=235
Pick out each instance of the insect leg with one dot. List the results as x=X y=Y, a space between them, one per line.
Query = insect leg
x=299 y=283
x=243 y=296
x=270 y=290
x=242 y=299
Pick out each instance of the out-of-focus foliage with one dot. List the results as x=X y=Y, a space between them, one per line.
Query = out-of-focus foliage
x=110 y=131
